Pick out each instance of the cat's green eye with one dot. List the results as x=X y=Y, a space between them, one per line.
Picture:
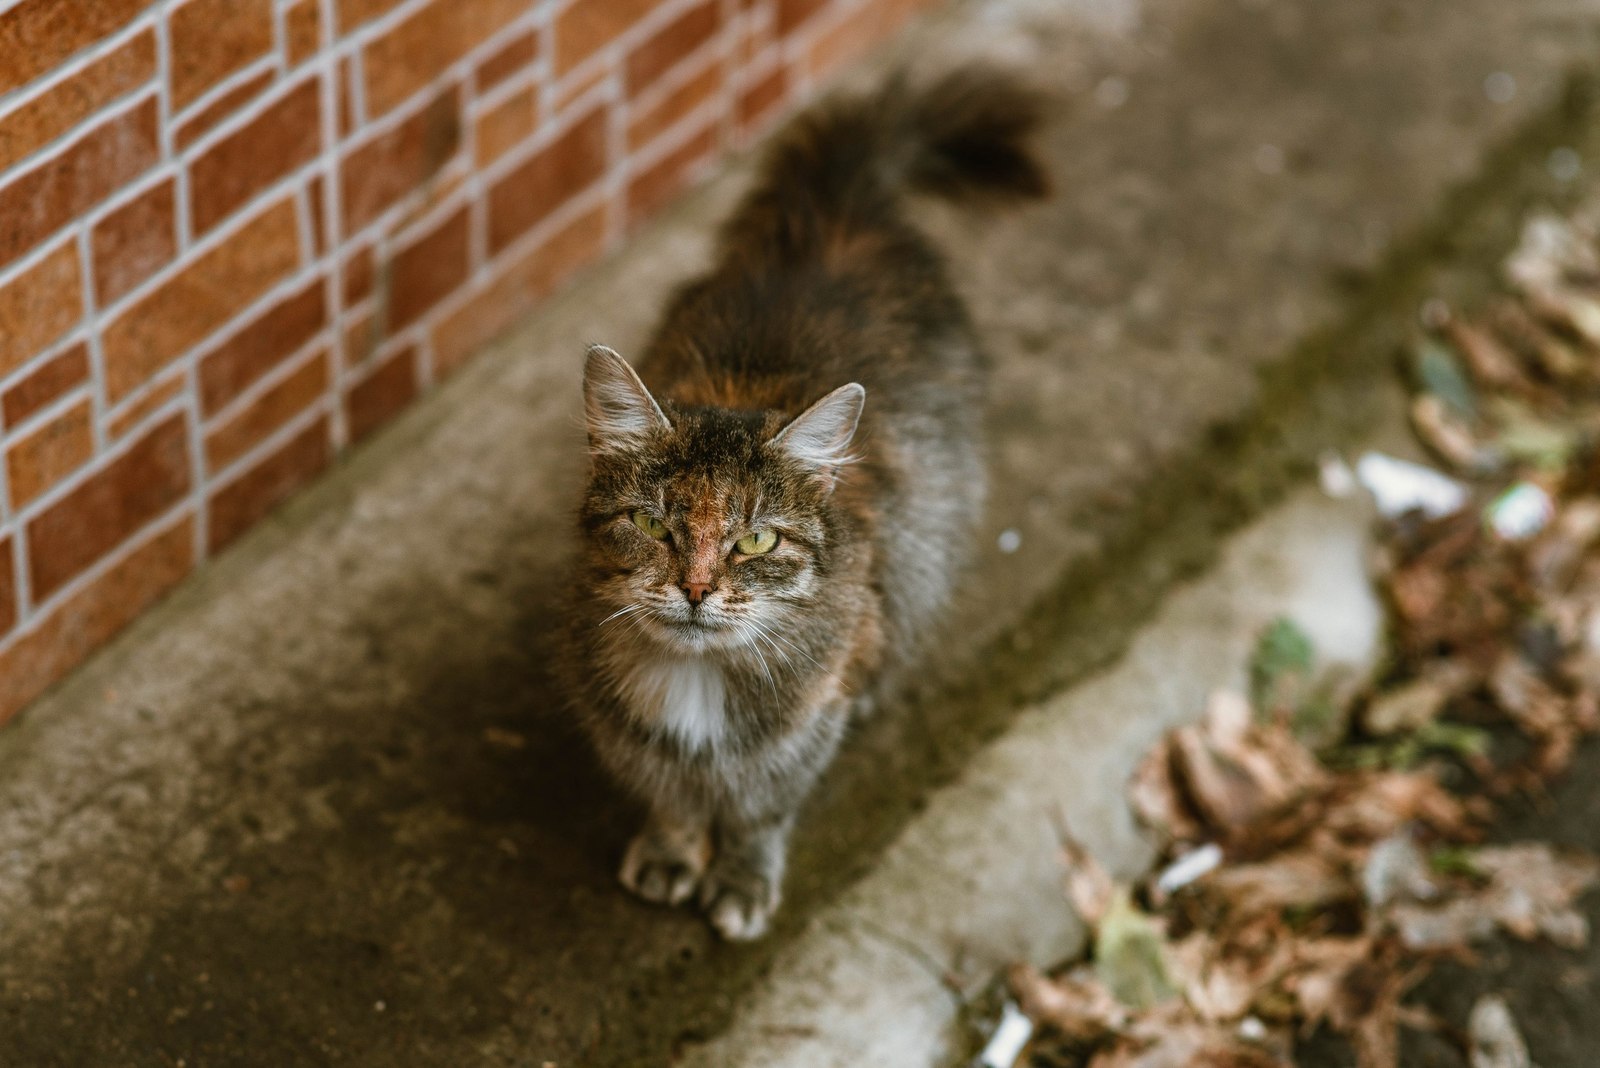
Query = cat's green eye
x=757 y=543
x=650 y=525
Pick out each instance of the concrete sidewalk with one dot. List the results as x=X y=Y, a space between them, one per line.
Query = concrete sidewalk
x=321 y=807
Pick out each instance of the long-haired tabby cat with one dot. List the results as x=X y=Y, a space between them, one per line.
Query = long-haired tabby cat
x=772 y=525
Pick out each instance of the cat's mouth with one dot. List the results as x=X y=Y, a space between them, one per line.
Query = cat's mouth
x=698 y=631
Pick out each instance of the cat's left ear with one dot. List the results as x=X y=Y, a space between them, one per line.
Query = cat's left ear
x=618 y=409
x=820 y=436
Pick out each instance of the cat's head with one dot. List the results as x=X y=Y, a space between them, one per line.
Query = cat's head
x=708 y=527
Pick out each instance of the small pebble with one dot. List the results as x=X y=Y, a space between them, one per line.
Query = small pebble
x=1500 y=87
x=1010 y=540
x=1565 y=164
x=1111 y=93
x=1269 y=159
x=378 y=1006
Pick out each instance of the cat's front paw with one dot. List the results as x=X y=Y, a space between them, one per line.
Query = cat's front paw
x=664 y=868
x=739 y=904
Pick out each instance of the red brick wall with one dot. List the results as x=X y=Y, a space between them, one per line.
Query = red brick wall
x=236 y=236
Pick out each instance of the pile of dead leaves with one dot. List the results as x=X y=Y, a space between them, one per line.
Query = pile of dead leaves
x=1315 y=863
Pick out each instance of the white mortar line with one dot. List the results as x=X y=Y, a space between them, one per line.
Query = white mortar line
x=96 y=357
x=243 y=464
x=136 y=540
x=235 y=80
x=330 y=61
x=26 y=93
x=110 y=114
x=55 y=409
x=287 y=368
x=245 y=214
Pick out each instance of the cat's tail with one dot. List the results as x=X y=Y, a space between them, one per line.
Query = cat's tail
x=845 y=162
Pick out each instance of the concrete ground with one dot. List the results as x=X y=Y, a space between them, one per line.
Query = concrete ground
x=322 y=807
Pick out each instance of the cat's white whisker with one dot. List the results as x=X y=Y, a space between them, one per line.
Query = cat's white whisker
x=627 y=609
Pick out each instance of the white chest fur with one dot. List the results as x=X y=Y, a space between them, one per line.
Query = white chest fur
x=686 y=697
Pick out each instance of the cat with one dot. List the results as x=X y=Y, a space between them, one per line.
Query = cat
x=771 y=527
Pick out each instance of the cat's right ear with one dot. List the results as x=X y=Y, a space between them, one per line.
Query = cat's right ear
x=619 y=410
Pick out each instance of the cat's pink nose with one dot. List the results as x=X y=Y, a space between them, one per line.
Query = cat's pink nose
x=696 y=591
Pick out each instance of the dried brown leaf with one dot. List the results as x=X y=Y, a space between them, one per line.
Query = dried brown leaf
x=1090 y=887
x=1157 y=799
x=1076 y=1005
x=1303 y=878
x=1406 y=708
x=1446 y=436
x=1491 y=363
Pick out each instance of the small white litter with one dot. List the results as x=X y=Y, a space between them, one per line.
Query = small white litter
x=1191 y=866
x=1338 y=481
x=1005 y=1045
x=1399 y=486
x=1521 y=511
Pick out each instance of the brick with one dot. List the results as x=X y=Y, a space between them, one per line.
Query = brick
x=49 y=454
x=585 y=27
x=526 y=280
x=211 y=39
x=671 y=44
x=287 y=135
x=36 y=35
x=675 y=105
x=506 y=125
x=361 y=339
x=211 y=289
x=378 y=397
x=554 y=175
x=133 y=242
x=791 y=13
x=759 y=101
x=515 y=56
x=39 y=305
x=50 y=380
x=303 y=26
x=108 y=157
x=195 y=127
x=158 y=396
x=272 y=409
x=90 y=617
x=377 y=174
x=264 y=343
x=426 y=271
x=108 y=507
x=653 y=187
x=419 y=49
x=8 y=595
x=243 y=502
x=359 y=269
x=48 y=116
x=353 y=13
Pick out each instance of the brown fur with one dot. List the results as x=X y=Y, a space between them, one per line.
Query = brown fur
x=717 y=683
